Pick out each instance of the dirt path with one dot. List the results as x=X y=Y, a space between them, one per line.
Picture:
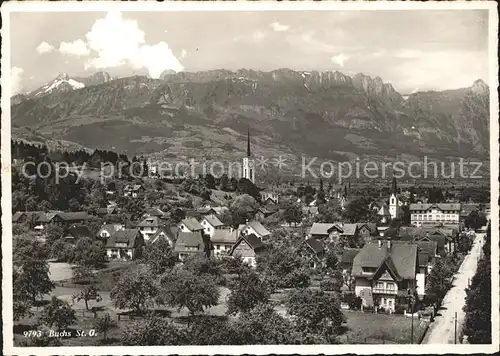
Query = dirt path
x=442 y=330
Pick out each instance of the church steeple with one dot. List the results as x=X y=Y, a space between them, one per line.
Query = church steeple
x=248 y=143
x=394 y=188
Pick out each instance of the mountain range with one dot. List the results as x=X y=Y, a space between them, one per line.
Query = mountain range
x=329 y=115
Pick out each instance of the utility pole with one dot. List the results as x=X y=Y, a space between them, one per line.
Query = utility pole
x=455 y=327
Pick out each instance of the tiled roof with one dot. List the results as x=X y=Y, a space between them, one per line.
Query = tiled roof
x=384 y=211
x=349 y=229
x=78 y=232
x=170 y=231
x=259 y=228
x=322 y=228
x=441 y=206
x=252 y=240
x=152 y=221
x=110 y=228
x=225 y=235
x=189 y=239
x=315 y=245
x=192 y=224
x=213 y=220
x=403 y=256
x=128 y=236
x=348 y=255
x=74 y=215
x=46 y=217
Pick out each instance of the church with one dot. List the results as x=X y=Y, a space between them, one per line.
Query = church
x=248 y=163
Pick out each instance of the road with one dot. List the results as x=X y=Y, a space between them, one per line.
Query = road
x=442 y=330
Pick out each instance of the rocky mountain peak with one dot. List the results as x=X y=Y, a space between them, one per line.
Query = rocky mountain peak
x=62 y=76
x=480 y=87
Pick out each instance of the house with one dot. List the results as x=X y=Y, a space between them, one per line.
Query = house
x=166 y=232
x=325 y=231
x=350 y=232
x=223 y=241
x=76 y=232
x=191 y=243
x=30 y=217
x=347 y=259
x=210 y=223
x=254 y=227
x=311 y=250
x=427 y=254
x=134 y=191
x=384 y=272
x=445 y=238
x=125 y=244
x=248 y=247
x=384 y=214
x=432 y=214
x=206 y=210
x=155 y=212
x=149 y=226
x=44 y=219
x=190 y=225
x=108 y=211
x=270 y=196
x=109 y=229
x=65 y=219
x=262 y=213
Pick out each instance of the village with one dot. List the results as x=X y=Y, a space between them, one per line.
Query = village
x=388 y=261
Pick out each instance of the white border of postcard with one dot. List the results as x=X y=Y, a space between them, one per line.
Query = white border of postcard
x=38 y=6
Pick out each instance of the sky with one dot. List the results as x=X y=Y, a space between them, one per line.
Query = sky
x=413 y=50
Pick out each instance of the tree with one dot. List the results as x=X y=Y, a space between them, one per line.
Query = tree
x=53 y=233
x=357 y=210
x=30 y=269
x=104 y=325
x=211 y=330
x=477 y=326
x=134 y=290
x=235 y=265
x=82 y=275
x=159 y=256
x=57 y=313
x=242 y=209
x=263 y=325
x=317 y=314
x=200 y=265
x=90 y=253
x=249 y=291
x=293 y=214
x=329 y=212
x=182 y=288
x=284 y=268
x=154 y=331
x=62 y=250
x=87 y=293
x=437 y=282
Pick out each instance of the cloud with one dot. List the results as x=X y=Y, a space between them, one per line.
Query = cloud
x=44 y=47
x=340 y=59
x=76 y=48
x=276 y=26
x=16 y=75
x=118 y=41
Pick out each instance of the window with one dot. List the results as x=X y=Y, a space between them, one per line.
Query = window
x=390 y=302
x=380 y=285
x=390 y=286
x=217 y=247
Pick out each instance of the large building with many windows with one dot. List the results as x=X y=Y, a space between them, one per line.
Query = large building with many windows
x=435 y=214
